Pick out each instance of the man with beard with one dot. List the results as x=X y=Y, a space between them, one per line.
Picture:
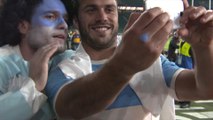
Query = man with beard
x=129 y=81
x=32 y=31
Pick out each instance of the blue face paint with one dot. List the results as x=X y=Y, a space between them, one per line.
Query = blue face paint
x=49 y=13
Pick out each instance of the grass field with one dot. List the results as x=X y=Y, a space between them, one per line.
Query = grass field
x=199 y=110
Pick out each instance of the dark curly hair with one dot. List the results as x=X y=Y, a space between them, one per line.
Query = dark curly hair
x=75 y=6
x=71 y=8
x=15 y=11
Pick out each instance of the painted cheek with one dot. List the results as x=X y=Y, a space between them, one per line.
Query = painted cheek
x=40 y=21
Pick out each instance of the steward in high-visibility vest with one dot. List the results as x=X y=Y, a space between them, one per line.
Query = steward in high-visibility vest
x=166 y=46
x=75 y=41
x=185 y=57
x=185 y=49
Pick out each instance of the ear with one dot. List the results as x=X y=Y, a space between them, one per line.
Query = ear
x=75 y=23
x=23 y=27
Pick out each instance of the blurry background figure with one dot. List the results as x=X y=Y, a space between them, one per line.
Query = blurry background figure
x=180 y=52
x=1 y=3
x=166 y=47
x=173 y=48
x=185 y=60
x=74 y=40
x=185 y=56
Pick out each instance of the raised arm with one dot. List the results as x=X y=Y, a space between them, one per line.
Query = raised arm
x=197 y=30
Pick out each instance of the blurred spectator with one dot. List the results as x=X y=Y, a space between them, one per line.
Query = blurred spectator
x=185 y=56
x=173 y=47
x=75 y=40
x=1 y=3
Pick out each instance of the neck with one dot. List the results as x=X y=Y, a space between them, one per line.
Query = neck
x=99 y=54
x=26 y=51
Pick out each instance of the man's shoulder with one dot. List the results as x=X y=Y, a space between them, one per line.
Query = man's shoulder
x=9 y=58
x=65 y=54
x=62 y=56
x=7 y=50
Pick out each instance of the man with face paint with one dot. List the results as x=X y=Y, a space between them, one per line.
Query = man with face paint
x=32 y=31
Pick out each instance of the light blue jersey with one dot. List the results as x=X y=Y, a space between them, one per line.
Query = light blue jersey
x=156 y=81
x=19 y=99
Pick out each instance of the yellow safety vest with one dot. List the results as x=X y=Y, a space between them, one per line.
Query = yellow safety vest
x=77 y=40
x=184 y=49
x=166 y=47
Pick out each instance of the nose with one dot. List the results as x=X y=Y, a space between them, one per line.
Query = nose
x=62 y=24
x=102 y=15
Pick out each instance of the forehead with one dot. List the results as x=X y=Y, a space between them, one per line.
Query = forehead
x=51 y=5
x=97 y=2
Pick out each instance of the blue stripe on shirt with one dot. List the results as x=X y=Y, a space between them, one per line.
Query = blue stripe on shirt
x=126 y=98
x=56 y=79
x=169 y=69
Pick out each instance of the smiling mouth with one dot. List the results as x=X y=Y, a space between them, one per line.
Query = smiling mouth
x=100 y=28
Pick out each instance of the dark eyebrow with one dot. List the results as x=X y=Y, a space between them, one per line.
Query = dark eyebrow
x=111 y=5
x=55 y=13
x=90 y=6
x=96 y=6
x=50 y=11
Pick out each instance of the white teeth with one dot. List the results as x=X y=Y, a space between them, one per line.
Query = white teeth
x=101 y=29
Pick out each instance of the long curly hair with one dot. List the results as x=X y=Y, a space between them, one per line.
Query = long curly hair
x=13 y=13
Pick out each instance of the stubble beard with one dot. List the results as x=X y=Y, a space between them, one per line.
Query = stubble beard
x=98 y=43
